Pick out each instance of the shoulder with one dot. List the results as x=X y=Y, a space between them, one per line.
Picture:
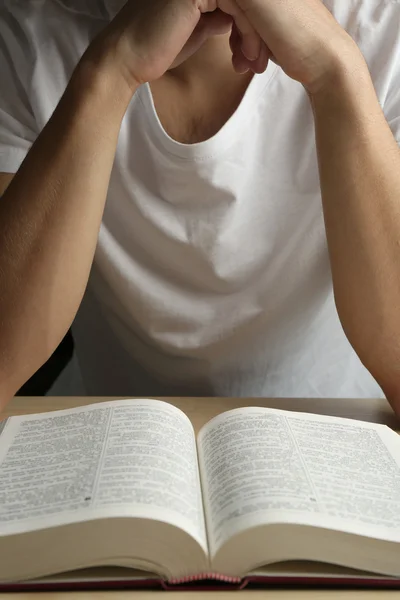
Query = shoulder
x=373 y=24
x=41 y=42
x=33 y=23
x=29 y=9
x=35 y=32
x=16 y=49
x=375 y=27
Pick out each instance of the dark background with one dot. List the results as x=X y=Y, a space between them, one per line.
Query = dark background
x=42 y=381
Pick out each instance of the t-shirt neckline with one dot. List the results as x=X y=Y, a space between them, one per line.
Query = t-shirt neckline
x=223 y=138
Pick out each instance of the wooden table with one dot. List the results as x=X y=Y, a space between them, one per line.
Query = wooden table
x=200 y=411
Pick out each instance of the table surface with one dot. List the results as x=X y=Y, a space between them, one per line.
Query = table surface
x=201 y=410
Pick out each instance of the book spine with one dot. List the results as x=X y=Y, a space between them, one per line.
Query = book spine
x=205 y=577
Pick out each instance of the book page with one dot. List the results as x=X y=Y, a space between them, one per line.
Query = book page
x=262 y=466
x=126 y=458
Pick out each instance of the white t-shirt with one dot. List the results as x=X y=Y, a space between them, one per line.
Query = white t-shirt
x=211 y=275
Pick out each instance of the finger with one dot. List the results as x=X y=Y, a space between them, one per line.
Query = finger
x=260 y=65
x=235 y=40
x=250 y=39
x=240 y=62
x=216 y=22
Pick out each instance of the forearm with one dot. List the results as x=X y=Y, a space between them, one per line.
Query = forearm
x=49 y=222
x=359 y=163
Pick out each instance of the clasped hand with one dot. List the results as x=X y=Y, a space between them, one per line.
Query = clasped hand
x=301 y=36
x=149 y=37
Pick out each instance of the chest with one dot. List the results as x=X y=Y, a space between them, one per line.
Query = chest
x=191 y=117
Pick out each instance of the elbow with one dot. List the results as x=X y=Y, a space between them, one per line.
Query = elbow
x=7 y=375
x=16 y=368
x=9 y=384
x=391 y=389
x=379 y=352
x=7 y=393
x=389 y=381
x=383 y=363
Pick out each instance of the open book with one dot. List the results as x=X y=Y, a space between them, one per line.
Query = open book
x=126 y=484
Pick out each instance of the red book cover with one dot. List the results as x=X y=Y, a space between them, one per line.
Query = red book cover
x=209 y=582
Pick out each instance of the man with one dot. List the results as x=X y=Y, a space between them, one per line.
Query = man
x=250 y=242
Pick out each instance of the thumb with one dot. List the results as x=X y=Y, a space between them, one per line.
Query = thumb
x=216 y=22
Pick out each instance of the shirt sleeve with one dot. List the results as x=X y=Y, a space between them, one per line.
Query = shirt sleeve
x=18 y=128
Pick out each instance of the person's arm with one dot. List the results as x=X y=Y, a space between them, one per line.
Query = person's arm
x=5 y=180
x=359 y=163
x=49 y=221
x=50 y=214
